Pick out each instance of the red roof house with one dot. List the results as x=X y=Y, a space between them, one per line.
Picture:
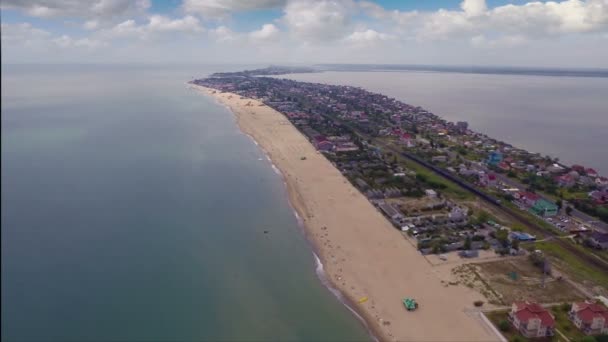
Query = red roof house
x=565 y=181
x=578 y=168
x=591 y=318
x=528 y=198
x=531 y=319
x=322 y=144
x=591 y=173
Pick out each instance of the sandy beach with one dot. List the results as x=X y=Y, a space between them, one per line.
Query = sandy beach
x=363 y=255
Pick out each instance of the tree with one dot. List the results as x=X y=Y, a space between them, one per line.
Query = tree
x=502 y=235
x=515 y=244
x=559 y=204
x=504 y=325
x=483 y=217
x=467 y=243
x=602 y=338
x=569 y=210
x=588 y=339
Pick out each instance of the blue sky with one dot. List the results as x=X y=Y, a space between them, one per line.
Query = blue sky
x=465 y=32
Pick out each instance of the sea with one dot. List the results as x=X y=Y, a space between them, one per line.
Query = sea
x=561 y=113
x=133 y=209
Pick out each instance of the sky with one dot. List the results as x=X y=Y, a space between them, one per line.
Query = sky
x=569 y=33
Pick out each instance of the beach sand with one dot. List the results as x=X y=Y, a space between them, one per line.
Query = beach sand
x=363 y=255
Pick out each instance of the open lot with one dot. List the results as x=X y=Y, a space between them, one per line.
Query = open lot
x=513 y=279
x=519 y=279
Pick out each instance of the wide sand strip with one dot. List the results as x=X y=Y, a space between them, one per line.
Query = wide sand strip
x=363 y=255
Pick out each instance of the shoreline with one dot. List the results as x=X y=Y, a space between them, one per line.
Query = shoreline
x=319 y=268
x=383 y=314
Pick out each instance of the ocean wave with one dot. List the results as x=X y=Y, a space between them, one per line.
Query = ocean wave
x=320 y=271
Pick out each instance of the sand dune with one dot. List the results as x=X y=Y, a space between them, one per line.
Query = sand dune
x=364 y=256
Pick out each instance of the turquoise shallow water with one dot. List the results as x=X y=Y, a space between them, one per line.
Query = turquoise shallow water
x=133 y=209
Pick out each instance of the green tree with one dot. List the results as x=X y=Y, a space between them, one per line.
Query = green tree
x=504 y=325
x=502 y=235
x=588 y=339
x=482 y=217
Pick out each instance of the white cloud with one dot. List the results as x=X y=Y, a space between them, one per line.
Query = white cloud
x=125 y=29
x=318 y=20
x=378 y=12
x=268 y=32
x=571 y=16
x=22 y=33
x=222 y=34
x=157 y=24
x=532 y=19
x=215 y=8
x=367 y=38
x=77 y=8
x=91 y=24
x=164 y=24
x=480 y=41
x=66 y=41
x=474 y=7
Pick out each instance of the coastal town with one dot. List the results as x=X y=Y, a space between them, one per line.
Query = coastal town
x=452 y=191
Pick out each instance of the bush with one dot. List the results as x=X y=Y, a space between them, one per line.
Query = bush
x=601 y=338
x=566 y=307
x=504 y=325
x=588 y=339
x=478 y=303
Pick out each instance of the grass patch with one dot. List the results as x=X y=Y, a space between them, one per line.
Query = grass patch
x=571 y=264
x=564 y=325
x=496 y=317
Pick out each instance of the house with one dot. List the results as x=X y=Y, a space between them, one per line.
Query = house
x=554 y=168
x=590 y=318
x=494 y=158
x=527 y=198
x=346 y=146
x=599 y=240
x=599 y=196
x=458 y=214
x=601 y=182
x=578 y=168
x=544 y=208
x=591 y=173
x=522 y=236
x=390 y=211
x=431 y=193
x=407 y=139
x=488 y=179
x=531 y=319
x=566 y=181
x=361 y=184
x=439 y=159
x=322 y=144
